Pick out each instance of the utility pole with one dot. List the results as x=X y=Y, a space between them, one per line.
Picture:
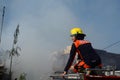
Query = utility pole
x=3 y=13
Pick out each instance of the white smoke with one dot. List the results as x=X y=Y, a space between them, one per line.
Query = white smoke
x=43 y=28
x=60 y=59
x=3 y=57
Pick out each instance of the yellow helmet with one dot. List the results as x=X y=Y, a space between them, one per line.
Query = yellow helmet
x=75 y=31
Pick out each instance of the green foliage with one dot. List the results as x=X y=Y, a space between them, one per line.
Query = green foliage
x=14 y=51
x=22 y=76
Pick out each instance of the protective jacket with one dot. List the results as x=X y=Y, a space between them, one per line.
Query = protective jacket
x=88 y=56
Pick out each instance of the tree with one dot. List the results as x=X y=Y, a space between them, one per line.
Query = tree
x=14 y=51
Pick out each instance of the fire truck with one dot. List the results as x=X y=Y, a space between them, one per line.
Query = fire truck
x=106 y=73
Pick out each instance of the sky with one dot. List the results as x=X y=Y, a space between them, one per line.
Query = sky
x=45 y=27
x=98 y=19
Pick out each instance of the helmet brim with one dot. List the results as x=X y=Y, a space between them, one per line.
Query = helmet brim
x=76 y=34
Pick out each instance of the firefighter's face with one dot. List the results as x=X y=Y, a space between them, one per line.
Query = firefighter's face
x=73 y=38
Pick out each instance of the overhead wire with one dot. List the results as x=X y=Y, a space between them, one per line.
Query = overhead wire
x=111 y=45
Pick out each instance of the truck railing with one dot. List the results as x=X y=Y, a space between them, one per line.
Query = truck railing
x=77 y=76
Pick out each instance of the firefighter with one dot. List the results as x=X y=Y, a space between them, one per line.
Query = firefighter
x=87 y=56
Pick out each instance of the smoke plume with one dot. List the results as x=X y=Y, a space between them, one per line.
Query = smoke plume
x=42 y=28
